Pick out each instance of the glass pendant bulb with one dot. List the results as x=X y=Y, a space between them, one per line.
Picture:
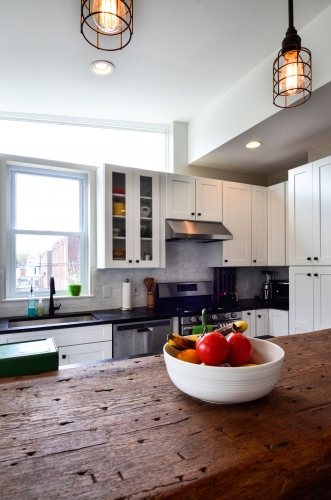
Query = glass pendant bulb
x=292 y=78
x=107 y=11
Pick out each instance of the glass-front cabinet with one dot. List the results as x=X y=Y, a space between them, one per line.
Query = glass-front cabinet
x=131 y=218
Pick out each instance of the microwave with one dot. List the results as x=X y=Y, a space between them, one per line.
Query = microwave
x=279 y=290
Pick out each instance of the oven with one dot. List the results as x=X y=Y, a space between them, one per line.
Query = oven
x=187 y=300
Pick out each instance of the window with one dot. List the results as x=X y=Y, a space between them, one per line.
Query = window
x=47 y=230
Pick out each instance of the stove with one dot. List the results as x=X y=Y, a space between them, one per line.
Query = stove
x=187 y=299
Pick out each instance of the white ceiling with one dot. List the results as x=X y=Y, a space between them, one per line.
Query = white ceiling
x=183 y=55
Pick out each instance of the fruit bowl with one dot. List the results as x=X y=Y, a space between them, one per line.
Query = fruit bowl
x=227 y=385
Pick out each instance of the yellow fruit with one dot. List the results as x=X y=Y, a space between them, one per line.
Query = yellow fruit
x=189 y=355
x=247 y=364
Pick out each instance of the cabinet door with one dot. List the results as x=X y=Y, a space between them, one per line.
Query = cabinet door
x=259 y=226
x=70 y=355
x=237 y=218
x=146 y=217
x=180 y=197
x=208 y=200
x=278 y=322
x=262 y=322
x=322 y=294
x=118 y=217
x=301 y=317
x=300 y=187
x=322 y=212
x=249 y=317
x=276 y=225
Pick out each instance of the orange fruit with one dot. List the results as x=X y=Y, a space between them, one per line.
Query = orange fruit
x=189 y=355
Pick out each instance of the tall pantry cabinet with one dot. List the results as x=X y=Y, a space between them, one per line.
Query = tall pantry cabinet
x=310 y=246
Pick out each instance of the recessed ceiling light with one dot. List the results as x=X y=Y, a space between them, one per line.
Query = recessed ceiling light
x=253 y=144
x=102 y=67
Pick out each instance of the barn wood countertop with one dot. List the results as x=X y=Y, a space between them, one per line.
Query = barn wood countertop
x=122 y=430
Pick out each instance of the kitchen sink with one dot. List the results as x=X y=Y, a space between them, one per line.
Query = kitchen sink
x=78 y=318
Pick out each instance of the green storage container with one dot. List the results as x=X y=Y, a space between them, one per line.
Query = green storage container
x=28 y=358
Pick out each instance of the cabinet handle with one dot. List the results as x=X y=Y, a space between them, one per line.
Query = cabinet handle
x=315 y=258
x=199 y=214
x=308 y=258
x=316 y=274
x=192 y=213
x=225 y=261
x=130 y=261
x=248 y=314
x=259 y=316
x=64 y=356
x=308 y=274
x=254 y=260
x=137 y=261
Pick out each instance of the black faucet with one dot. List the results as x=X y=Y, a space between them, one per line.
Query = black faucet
x=52 y=291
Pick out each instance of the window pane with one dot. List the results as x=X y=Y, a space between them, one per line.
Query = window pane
x=45 y=203
x=39 y=257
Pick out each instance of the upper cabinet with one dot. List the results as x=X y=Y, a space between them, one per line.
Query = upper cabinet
x=128 y=218
x=259 y=226
x=277 y=225
x=237 y=218
x=193 y=198
x=310 y=214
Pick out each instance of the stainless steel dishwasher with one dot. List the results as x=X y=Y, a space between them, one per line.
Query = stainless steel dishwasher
x=146 y=337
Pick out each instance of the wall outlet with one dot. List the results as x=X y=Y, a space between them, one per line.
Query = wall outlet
x=106 y=291
x=135 y=290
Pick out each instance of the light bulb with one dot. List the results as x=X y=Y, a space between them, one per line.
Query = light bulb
x=108 y=10
x=292 y=75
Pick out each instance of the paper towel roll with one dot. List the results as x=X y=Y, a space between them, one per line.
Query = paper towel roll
x=126 y=299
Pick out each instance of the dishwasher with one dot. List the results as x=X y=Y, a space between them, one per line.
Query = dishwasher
x=146 y=337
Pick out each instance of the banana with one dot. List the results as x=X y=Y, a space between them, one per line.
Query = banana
x=240 y=326
x=180 y=342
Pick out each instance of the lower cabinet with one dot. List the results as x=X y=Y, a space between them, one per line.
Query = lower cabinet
x=262 y=322
x=310 y=291
x=75 y=345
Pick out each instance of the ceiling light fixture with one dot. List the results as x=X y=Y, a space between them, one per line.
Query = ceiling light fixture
x=102 y=67
x=107 y=24
x=292 y=69
x=253 y=144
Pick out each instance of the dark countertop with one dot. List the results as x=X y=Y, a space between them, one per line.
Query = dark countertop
x=137 y=314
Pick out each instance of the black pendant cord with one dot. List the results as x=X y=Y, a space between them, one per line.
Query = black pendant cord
x=290 y=14
x=292 y=41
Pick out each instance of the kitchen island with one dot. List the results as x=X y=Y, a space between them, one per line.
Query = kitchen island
x=122 y=430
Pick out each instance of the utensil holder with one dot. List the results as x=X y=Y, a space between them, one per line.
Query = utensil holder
x=150 y=300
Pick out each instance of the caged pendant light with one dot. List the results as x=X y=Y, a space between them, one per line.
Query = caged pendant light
x=107 y=24
x=292 y=73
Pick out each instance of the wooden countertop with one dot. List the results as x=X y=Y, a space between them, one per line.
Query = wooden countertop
x=122 y=430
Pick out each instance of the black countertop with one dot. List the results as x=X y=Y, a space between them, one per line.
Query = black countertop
x=137 y=314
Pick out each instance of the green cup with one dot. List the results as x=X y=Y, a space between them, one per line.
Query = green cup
x=74 y=289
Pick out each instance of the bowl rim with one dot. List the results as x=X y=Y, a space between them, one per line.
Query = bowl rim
x=234 y=369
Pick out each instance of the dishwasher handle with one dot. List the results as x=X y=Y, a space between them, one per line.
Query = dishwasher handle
x=142 y=330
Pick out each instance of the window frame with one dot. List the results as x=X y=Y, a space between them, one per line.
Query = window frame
x=12 y=231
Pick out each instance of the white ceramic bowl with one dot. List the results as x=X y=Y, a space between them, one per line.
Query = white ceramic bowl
x=227 y=385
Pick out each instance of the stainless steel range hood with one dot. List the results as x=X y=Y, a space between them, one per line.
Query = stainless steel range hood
x=196 y=231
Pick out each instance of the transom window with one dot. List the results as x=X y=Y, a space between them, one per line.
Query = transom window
x=47 y=230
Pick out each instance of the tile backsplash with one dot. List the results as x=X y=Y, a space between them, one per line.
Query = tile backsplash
x=184 y=262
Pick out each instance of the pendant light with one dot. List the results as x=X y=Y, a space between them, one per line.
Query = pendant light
x=107 y=24
x=292 y=69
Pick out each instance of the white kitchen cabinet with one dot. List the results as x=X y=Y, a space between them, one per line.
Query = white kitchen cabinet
x=259 y=226
x=72 y=354
x=128 y=218
x=237 y=218
x=83 y=342
x=278 y=322
x=310 y=292
x=262 y=322
x=249 y=317
x=193 y=198
x=277 y=225
x=310 y=214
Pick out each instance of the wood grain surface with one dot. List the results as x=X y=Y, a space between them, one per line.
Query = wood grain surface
x=123 y=431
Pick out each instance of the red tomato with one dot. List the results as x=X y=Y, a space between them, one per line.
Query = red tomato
x=212 y=348
x=240 y=349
